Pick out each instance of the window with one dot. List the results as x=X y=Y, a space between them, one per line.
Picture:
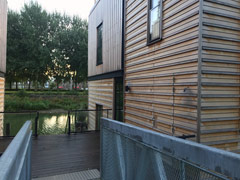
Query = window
x=99 y=44
x=154 y=20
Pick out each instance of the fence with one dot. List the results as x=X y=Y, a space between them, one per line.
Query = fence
x=15 y=162
x=78 y=120
x=132 y=153
x=50 y=123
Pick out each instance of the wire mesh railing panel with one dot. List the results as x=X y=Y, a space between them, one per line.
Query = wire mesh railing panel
x=125 y=158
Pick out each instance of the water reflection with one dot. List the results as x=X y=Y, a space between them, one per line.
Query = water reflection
x=48 y=124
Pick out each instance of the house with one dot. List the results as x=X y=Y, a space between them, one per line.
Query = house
x=3 y=44
x=105 y=61
x=180 y=64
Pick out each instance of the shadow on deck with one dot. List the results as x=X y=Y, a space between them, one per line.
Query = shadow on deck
x=62 y=154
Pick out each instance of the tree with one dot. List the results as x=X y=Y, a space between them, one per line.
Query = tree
x=43 y=46
x=35 y=42
x=76 y=49
x=15 y=68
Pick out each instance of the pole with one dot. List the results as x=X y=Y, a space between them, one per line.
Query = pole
x=69 y=123
x=36 y=125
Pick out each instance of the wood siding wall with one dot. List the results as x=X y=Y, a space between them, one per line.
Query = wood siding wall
x=100 y=92
x=3 y=46
x=2 y=85
x=163 y=77
x=221 y=74
x=109 y=13
x=3 y=34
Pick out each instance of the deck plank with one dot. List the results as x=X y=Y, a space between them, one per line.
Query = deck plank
x=63 y=154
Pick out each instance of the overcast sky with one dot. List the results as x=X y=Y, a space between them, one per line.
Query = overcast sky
x=71 y=7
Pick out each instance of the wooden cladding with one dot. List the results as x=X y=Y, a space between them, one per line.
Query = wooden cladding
x=109 y=13
x=189 y=82
x=3 y=48
x=3 y=35
x=100 y=92
x=163 y=77
x=220 y=101
x=2 y=85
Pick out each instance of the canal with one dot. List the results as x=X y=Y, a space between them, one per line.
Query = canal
x=48 y=123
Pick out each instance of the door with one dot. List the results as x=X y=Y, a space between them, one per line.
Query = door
x=118 y=101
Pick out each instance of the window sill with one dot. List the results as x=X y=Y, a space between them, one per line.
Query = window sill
x=149 y=43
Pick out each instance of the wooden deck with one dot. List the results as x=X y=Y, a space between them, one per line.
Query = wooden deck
x=63 y=154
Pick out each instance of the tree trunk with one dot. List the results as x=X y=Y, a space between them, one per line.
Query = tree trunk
x=10 y=85
x=16 y=85
x=29 y=86
x=35 y=86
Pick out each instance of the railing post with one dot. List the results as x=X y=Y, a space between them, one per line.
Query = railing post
x=183 y=176
x=8 y=129
x=36 y=125
x=69 y=123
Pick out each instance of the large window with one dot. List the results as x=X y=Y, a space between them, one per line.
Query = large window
x=154 y=20
x=99 y=44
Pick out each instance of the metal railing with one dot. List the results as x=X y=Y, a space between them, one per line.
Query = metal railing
x=73 y=121
x=132 y=153
x=10 y=129
x=78 y=120
x=15 y=163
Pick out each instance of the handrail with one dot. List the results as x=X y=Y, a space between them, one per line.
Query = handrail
x=203 y=157
x=87 y=110
x=15 y=163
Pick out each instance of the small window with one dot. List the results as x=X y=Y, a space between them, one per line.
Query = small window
x=99 y=44
x=154 y=21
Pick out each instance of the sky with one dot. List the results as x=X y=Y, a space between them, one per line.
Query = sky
x=71 y=7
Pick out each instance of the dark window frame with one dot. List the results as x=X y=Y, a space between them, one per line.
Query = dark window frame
x=99 y=62
x=149 y=41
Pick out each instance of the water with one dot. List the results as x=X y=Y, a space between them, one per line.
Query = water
x=48 y=123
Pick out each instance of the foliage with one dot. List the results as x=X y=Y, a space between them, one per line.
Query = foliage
x=45 y=45
x=22 y=93
x=16 y=103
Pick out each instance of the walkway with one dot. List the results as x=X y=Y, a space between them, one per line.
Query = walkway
x=83 y=175
x=64 y=154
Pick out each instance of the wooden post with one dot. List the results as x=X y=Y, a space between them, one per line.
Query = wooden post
x=36 y=125
x=8 y=129
x=69 y=123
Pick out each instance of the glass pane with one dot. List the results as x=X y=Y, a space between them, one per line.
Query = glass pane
x=154 y=25
x=99 y=45
x=154 y=3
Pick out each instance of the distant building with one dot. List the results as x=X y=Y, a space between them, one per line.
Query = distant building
x=3 y=44
x=180 y=66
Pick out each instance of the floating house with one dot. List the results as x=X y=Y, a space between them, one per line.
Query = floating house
x=177 y=62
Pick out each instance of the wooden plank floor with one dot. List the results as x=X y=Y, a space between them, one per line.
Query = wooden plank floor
x=63 y=154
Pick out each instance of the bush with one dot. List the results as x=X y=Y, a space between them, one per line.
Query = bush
x=22 y=93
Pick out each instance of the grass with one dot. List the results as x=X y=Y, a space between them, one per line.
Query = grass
x=22 y=101
x=48 y=92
